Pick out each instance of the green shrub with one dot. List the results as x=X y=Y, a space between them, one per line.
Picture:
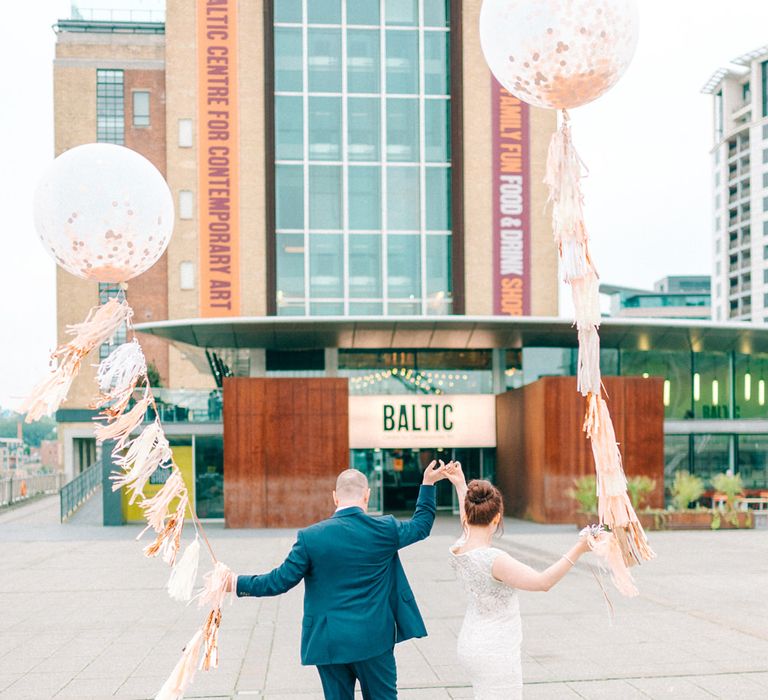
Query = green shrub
x=686 y=488
x=584 y=492
x=730 y=485
x=639 y=488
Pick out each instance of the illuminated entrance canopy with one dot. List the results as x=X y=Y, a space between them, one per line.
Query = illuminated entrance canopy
x=407 y=421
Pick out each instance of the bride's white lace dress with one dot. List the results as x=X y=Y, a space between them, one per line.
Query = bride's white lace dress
x=490 y=637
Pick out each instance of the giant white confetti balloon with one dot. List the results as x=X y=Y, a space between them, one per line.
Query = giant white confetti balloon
x=558 y=54
x=104 y=212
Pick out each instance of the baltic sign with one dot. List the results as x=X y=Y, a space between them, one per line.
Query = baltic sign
x=422 y=421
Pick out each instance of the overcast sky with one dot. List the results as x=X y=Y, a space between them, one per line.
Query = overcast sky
x=646 y=143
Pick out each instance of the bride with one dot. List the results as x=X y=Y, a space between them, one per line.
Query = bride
x=490 y=637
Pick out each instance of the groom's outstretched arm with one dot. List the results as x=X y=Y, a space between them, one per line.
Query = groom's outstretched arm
x=279 y=580
x=420 y=525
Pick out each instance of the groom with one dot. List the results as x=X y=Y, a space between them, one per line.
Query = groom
x=357 y=600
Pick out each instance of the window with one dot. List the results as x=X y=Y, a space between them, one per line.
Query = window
x=438 y=199
x=187 y=275
x=765 y=155
x=765 y=276
x=185 y=133
x=107 y=291
x=363 y=12
x=290 y=264
x=110 y=107
x=324 y=59
x=402 y=62
x=436 y=78
x=365 y=266
x=140 y=108
x=288 y=11
x=765 y=131
x=288 y=59
x=404 y=13
x=186 y=204
x=403 y=262
x=289 y=193
x=289 y=128
x=364 y=198
x=403 y=199
x=362 y=179
x=363 y=131
x=764 y=88
x=325 y=128
x=437 y=131
x=325 y=197
x=325 y=265
x=363 y=60
x=324 y=11
x=436 y=13
x=403 y=130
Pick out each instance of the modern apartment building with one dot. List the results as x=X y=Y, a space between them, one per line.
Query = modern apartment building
x=740 y=187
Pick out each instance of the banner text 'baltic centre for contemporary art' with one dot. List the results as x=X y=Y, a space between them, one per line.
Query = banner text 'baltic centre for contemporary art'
x=218 y=161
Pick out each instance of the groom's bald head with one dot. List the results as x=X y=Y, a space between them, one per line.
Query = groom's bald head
x=351 y=489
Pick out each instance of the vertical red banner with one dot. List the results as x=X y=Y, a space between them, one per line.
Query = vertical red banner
x=511 y=204
x=218 y=158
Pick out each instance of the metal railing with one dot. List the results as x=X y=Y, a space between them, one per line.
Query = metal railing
x=79 y=490
x=19 y=488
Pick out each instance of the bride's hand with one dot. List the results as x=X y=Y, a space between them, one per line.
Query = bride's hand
x=455 y=474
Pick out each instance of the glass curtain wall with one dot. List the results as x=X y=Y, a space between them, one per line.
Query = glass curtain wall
x=362 y=157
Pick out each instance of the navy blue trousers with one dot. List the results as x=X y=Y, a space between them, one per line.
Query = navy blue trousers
x=377 y=676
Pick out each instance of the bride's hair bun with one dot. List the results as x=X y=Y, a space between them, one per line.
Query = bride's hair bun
x=482 y=503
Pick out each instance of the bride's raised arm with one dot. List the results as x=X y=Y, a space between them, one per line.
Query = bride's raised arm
x=455 y=475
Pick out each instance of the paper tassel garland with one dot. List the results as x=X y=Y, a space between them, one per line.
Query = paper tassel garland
x=184 y=672
x=118 y=375
x=99 y=327
x=626 y=543
x=181 y=583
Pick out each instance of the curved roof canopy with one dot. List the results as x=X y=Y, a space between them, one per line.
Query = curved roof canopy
x=455 y=332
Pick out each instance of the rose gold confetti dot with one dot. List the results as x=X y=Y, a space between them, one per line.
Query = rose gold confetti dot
x=69 y=221
x=550 y=30
x=114 y=204
x=536 y=56
x=129 y=212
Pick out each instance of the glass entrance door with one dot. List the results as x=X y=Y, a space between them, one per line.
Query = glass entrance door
x=476 y=464
x=370 y=463
x=395 y=476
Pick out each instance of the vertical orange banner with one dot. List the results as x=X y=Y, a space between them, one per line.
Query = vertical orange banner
x=218 y=164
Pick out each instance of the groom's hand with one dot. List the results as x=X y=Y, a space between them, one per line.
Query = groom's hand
x=432 y=475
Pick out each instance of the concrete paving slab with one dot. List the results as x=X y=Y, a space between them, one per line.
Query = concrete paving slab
x=84 y=614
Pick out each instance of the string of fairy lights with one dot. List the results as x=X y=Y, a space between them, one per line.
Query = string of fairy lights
x=427 y=382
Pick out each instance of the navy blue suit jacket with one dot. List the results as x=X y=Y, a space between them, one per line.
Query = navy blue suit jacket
x=357 y=599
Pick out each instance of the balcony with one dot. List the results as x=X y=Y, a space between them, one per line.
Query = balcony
x=187 y=405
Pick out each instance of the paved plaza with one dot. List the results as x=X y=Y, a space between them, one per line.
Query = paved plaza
x=84 y=615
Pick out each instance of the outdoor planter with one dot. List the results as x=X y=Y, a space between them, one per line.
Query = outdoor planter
x=679 y=520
